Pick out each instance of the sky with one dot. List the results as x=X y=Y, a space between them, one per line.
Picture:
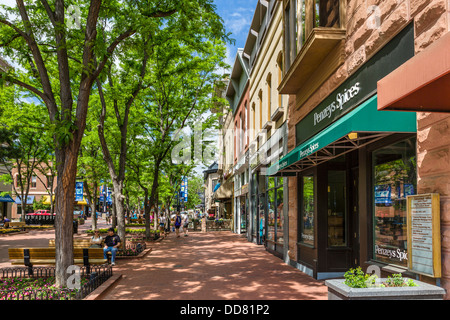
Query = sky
x=237 y=16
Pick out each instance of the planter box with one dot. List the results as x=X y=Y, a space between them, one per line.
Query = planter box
x=337 y=290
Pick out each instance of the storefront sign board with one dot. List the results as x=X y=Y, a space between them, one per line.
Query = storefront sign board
x=424 y=236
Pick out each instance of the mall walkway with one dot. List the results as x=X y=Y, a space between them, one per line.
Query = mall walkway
x=212 y=266
x=202 y=266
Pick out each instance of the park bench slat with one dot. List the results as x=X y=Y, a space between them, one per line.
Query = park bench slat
x=42 y=256
x=17 y=224
x=77 y=243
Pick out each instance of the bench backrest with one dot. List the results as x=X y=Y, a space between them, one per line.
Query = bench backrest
x=17 y=224
x=50 y=253
x=77 y=243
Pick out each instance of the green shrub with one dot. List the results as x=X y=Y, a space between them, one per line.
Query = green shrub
x=398 y=281
x=356 y=278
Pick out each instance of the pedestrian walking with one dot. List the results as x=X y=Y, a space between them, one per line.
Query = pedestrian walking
x=112 y=243
x=262 y=225
x=185 y=225
x=178 y=224
x=162 y=223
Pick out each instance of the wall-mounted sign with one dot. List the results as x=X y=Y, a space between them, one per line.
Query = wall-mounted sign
x=383 y=194
x=424 y=234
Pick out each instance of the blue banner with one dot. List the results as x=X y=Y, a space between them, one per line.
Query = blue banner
x=108 y=196
x=184 y=190
x=78 y=191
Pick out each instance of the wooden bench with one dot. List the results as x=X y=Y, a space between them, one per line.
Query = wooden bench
x=81 y=244
x=46 y=256
x=17 y=225
x=77 y=243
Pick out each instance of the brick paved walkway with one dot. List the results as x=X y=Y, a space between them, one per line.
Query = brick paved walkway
x=212 y=266
x=202 y=266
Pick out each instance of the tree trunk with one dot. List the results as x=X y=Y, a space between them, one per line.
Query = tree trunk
x=120 y=210
x=113 y=211
x=146 y=213
x=153 y=194
x=65 y=198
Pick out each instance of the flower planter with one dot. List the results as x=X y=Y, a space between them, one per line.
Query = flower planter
x=337 y=290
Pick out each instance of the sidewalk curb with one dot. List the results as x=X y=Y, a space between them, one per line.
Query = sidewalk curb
x=98 y=293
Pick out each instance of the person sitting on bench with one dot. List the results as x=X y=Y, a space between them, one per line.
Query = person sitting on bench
x=112 y=242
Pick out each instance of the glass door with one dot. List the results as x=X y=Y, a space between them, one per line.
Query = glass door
x=337 y=209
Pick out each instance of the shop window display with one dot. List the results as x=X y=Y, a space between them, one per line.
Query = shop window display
x=394 y=178
x=307 y=210
x=275 y=210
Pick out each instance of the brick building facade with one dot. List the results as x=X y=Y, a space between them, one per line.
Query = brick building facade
x=335 y=54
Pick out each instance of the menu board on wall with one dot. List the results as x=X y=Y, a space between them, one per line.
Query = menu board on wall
x=424 y=240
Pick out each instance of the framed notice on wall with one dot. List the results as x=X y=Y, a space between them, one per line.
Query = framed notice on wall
x=424 y=234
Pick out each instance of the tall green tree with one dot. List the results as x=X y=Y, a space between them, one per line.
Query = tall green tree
x=24 y=142
x=180 y=95
x=59 y=63
x=188 y=42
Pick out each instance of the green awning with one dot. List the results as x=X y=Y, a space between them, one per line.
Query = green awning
x=365 y=124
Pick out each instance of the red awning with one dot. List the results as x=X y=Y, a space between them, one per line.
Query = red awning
x=420 y=84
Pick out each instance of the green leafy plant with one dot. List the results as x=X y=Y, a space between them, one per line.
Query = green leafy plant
x=398 y=281
x=356 y=278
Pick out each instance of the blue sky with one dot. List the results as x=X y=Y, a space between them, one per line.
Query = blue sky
x=237 y=16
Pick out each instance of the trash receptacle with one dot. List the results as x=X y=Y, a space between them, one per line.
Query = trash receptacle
x=75 y=226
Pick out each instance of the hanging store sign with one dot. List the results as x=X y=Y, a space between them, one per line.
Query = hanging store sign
x=424 y=237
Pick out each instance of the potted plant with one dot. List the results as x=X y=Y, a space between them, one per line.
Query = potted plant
x=358 y=285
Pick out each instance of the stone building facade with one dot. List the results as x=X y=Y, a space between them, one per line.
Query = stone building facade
x=335 y=48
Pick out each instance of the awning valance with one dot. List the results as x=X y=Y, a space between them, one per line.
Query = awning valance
x=420 y=84
x=359 y=127
x=47 y=200
x=84 y=202
x=6 y=198
x=224 y=191
x=30 y=200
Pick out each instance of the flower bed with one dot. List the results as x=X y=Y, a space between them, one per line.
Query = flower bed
x=8 y=231
x=35 y=289
x=128 y=252
x=37 y=227
x=127 y=230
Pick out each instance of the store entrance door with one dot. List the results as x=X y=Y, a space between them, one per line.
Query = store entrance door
x=340 y=225
x=354 y=207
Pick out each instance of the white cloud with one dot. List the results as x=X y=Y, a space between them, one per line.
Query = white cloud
x=239 y=21
x=10 y=3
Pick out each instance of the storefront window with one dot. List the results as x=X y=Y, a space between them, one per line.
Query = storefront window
x=394 y=172
x=271 y=207
x=307 y=210
x=254 y=197
x=280 y=216
x=262 y=219
x=243 y=204
x=275 y=210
